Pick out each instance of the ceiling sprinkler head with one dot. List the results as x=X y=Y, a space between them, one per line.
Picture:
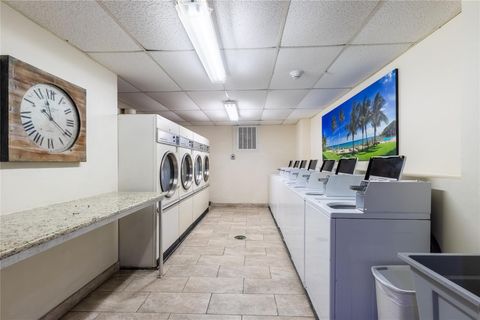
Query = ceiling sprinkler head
x=295 y=74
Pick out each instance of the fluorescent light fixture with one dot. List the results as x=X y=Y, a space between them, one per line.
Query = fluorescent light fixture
x=231 y=108
x=197 y=21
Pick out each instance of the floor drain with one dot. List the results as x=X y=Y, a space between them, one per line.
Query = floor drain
x=240 y=237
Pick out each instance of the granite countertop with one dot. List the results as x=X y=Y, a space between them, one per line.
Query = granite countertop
x=23 y=230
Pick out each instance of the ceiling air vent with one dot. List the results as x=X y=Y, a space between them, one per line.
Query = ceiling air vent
x=247 y=138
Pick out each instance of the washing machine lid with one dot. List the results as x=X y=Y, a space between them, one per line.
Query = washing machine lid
x=186 y=171
x=169 y=174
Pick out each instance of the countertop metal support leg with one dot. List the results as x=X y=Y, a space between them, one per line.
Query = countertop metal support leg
x=160 y=242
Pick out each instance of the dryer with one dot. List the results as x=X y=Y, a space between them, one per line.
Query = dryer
x=147 y=161
x=185 y=206
x=185 y=156
x=197 y=164
x=201 y=179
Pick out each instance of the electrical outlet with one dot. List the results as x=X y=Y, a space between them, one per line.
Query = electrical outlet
x=232 y=157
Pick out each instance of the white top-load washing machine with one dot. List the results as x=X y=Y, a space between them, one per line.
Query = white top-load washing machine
x=345 y=238
x=291 y=215
x=147 y=146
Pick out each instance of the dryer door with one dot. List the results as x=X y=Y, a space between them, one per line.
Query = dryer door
x=198 y=170
x=186 y=172
x=206 y=168
x=169 y=174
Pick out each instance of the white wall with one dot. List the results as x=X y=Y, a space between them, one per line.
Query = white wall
x=303 y=137
x=439 y=125
x=245 y=179
x=28 y=185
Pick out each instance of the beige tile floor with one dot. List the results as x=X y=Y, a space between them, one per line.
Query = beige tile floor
x=211 y=276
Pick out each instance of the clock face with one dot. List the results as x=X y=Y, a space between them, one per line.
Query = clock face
x=49 y=118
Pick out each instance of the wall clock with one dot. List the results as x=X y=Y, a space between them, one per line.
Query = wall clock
x=42 y=117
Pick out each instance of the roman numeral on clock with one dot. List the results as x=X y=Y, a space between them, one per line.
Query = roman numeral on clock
x=70 y=123
x=50 y=94
x=50 y=143
x=37 y=138
x=39 y=93
x=68 y=133
x=29 y=101
x=28 y=125
x=25 y=114
x=67 y=111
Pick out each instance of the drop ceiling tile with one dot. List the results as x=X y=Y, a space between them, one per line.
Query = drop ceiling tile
x=284 y=99
x=124 y=86
x=138 y=69
x=312 y=61
x=83 y=23
x=249 y=69
x=251 y=114
x=290 y=121
x=141 y=102
x=202 y=123
x=407 y=21
x=313 y=23
x=275 y=114
x=249 y=123
x=250 y=24
x=249 y=99
x=302 y=113
x=208 y=100
x=174 y=100
x=193 y=116
x=225 y=123
x=217 y=115
x=270 y=123
x=170 y=115
x=319 y=98
x=186 y=69
x=155 y=24
x=356 y=63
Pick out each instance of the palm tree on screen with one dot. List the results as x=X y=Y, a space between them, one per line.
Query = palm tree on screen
x=377 y=114
x=353 y=125
x=333 y=124
x=364 y=117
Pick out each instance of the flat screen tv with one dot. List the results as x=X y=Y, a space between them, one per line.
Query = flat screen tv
x=365 y=125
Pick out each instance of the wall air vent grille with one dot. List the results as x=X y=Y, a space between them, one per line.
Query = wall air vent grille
x=247 y=138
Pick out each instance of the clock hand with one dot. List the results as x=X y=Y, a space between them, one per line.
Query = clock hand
x=44 y=112
x=49 y=110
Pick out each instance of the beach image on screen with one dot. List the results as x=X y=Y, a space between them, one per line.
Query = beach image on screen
x=365 y=125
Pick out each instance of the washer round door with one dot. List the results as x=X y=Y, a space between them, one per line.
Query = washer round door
x=206 y=168
x=169 y=174
x=198 y=170
x=186 y=171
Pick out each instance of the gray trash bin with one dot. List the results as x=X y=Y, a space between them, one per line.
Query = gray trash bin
x=395 y=291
